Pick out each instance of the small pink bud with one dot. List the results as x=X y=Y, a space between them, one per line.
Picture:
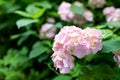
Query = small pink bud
x=47 y=31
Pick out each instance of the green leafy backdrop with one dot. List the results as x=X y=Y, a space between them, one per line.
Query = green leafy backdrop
x=23 y=56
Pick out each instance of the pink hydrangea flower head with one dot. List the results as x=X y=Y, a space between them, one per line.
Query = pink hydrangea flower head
x=116 y=15
x=96 y=3
x=88 y=15
x=77 y=3
x=47 y=31
x=67 y=38
x=72 y=40
x=81 y=50
x=63 y=61
x=109 y=11
x=65 y=11
x=113 y=15
x=117 y=57
x=93 y=39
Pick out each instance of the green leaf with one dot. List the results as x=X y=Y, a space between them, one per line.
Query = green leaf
x=24 y=22
x=58 y=25
x=103 y=72
x=77 y=10
x=43 y=57
x=47 y=43
x=11 y=74
x=31 y=9
x=28 y=33
x=107 y=57
x=36 y=45
x=97 y=72
x=117 y=73
x=76 y=70
x=39 y=13
x=63 y=77
x=44 y=4
x=24 y=50
x=24 y=14
x=116 y=37
x=37 y=52
x=12 y=8
x=36 y=12
x=111 y=45
x=13 y=58
x=53 y=13
x=22 y=39
x=88 y=24
x=15 y=36
x=3 y=25
x=101 y=26
x=1 y=2
x=90 y=57
x=114 y=24
x=106 y=33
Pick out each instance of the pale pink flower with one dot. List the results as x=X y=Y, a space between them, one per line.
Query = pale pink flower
x=96 y=3
x=81 y=50
x=80 y=42
x=65 y=11
x=117 y=57
x=72 y=40
x=77 y=3
x=47 y=31
x=88 y=15
x=63 y=61
x=115 y=16
x=78 y=19
x=67 y=38
x=109 y=11
x=112 y=14
x=93 y=39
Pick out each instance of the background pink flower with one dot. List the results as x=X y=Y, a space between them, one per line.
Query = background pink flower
x=88 y=15
x=47 y=31
x=112 y=14
x=79 y=4
x=96 y=3
x=65 y=11
x=117 y=57
x=109 y=11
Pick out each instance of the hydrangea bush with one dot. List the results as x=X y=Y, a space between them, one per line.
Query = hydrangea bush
x=59 y=40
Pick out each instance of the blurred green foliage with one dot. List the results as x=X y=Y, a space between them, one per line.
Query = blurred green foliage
x=23 y=56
